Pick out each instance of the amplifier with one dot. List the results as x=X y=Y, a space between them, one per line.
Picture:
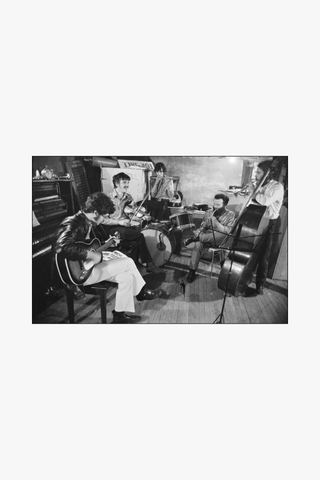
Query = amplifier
x=201 y=206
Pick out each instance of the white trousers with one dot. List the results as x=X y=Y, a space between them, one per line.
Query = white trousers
x=122 y=271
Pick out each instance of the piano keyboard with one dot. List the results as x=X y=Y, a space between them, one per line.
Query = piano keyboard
x=41 y=246
x=46 y=199
x=41 y=251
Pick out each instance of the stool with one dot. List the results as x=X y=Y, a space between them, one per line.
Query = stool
x=95 y=289
x=213 y=251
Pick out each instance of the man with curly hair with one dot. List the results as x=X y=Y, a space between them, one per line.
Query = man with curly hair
x=68 y=242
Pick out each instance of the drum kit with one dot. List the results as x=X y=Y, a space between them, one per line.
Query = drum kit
x=160 y=241
x=161 y=237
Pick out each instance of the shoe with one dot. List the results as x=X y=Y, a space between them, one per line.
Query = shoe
x=190 y=240
x=53 y=292
x=146 y=294
x=191 y=276
x=140 y=266
x=152 y=268
x=76 y=292
x=259 y=290
x=121 y=317
x=249 y=292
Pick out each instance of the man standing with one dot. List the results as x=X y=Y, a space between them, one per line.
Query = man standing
x=270 y=195
x=161 y=192
x=217 y=223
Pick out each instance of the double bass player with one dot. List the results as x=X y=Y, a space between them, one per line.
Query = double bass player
x=270 y=195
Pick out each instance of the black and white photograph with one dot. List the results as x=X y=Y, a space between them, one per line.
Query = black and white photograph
x=159 y=303
x=203 y=239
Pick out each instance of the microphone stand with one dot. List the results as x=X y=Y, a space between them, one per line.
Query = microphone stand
x=220 y=317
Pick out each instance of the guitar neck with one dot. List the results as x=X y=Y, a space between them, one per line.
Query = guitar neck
x=102 y=248
x=95 y=244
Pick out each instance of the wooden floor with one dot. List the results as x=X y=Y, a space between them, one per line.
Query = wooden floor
x=200 y=303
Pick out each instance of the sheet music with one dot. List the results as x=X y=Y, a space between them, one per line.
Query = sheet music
x=112 y=255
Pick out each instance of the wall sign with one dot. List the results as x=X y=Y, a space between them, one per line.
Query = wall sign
x=137 y=164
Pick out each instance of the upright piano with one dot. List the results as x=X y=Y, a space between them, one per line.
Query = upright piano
x=49 y=208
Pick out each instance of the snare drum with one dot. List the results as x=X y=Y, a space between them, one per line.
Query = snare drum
x=182 y=221
x=160 y=242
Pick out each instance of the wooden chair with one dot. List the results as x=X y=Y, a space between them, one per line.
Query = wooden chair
x=94 y=289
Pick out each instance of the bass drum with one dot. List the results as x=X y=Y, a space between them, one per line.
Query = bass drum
x=160 y=242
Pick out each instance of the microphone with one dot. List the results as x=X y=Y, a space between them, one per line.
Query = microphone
x=161 y=245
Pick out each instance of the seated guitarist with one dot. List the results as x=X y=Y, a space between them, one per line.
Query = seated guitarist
x=69 y=243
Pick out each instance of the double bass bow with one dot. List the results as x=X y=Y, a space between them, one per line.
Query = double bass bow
x=237 y=271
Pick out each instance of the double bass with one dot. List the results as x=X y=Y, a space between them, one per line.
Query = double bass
x=244 y=243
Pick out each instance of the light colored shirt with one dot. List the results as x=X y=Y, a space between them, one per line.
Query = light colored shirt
x=271 y=196
x=119 y=205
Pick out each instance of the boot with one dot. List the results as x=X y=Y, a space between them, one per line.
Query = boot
x=191 y=276
x=121 y=317
x=152 y=268
x=146 y=294
x=190 y=240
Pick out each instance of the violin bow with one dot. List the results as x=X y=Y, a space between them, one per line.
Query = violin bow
x=139 y=207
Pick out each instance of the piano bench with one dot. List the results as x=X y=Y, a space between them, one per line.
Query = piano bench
x=100 y=288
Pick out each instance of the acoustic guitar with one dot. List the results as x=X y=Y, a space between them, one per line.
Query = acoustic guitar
x=78 y=271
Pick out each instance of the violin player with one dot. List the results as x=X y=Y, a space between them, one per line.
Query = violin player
x=270 y=195
x=119 y=222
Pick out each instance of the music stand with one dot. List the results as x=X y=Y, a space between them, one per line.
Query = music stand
x=219 y=318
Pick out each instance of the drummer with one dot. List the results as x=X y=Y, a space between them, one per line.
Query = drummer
x=119 y=221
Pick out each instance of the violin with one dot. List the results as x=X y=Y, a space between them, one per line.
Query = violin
x=137 y=215
x=133 y=212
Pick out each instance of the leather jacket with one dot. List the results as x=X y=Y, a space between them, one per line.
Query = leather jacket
x=72 y=230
